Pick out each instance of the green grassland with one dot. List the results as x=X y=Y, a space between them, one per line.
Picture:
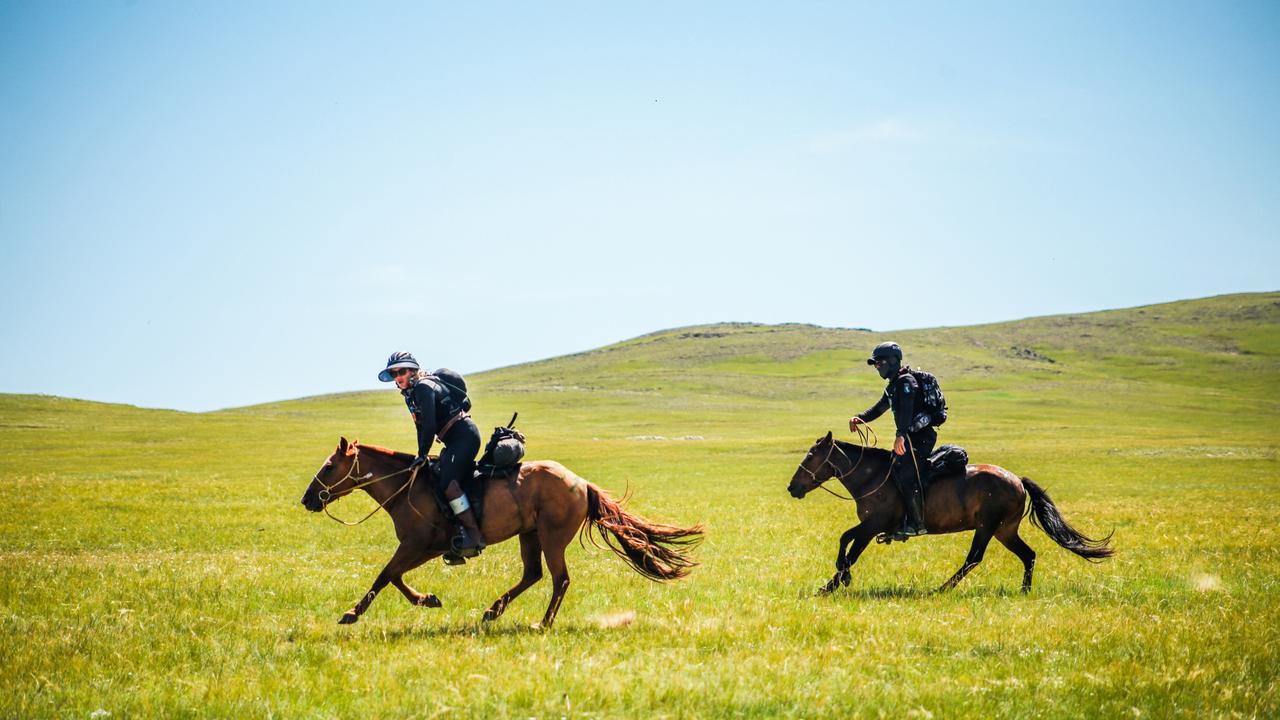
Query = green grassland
x=158 y=563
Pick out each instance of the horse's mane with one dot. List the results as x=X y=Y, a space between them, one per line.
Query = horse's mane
x=872 y=452
x=386 y=451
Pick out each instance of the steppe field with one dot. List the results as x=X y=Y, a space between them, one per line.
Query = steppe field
x=158 y=563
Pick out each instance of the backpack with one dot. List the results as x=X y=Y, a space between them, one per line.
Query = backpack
x=504 y=451
x=948 y=459
x=935 y=404
x=453 y=382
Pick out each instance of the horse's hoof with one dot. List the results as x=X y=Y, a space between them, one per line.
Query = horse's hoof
x=490 y=616
x=538 y=627
x=844 y=578
x=348 y=618
x=430 y=601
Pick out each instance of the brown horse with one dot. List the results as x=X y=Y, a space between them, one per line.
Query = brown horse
x=987 y=499
x=545 y=504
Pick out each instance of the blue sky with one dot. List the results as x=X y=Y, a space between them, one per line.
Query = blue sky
x=205 y=205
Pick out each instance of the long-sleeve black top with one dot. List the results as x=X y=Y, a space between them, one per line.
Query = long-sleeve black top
x=432 y=405
x=902 y=395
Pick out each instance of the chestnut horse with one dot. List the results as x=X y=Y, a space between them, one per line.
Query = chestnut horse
x=545 y=504
x=987 y=499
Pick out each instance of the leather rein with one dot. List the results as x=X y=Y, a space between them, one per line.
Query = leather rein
x=326 y=494
x=863 y=435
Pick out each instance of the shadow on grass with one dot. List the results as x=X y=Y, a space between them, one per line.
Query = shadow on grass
x=908 y=592
x=463 y=630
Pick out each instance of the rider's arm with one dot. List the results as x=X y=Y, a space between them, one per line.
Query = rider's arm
x=424 y=397
x=876 y=410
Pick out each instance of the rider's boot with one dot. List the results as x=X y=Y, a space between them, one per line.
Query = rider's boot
x=469 y=541
x=913 y=523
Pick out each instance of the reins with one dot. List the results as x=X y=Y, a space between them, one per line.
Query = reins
x=363 y=481
x=864 y=435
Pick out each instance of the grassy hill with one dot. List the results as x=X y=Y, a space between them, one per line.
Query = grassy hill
x=157 y=562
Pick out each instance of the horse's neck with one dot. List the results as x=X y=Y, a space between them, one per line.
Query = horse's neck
x=864 y=467
x=404 y=504
x=386 y=468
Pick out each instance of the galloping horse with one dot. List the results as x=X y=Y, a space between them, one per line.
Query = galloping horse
x=987 y=499
x=545 y=504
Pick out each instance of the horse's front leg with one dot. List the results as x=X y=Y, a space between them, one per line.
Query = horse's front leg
x=409 y=555
x=860 y=536
x=842 y=566
x=413 y=596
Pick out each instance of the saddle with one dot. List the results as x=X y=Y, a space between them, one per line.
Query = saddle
x=473 y=486
x=946 y=460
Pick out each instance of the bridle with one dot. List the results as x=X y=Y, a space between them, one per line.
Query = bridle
x=326 y=494
x=864 y=435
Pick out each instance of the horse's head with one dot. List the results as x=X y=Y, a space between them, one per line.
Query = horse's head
x=334 y=479
x=814 y=469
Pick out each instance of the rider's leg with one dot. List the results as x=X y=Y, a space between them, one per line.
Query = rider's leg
x=472 y=539
x=909 y=474
x=904 y=476
x=456 y=461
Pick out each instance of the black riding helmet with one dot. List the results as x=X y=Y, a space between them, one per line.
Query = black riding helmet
x=399 y=359
x=891 y=355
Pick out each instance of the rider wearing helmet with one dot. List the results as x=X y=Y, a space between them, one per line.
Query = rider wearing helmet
x=438 y=412
x=915 y=436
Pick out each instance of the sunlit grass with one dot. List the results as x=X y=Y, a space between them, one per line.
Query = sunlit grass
x=157 y=563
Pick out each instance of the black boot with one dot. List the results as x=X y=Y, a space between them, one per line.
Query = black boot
x=469 y=542
x=913 y=522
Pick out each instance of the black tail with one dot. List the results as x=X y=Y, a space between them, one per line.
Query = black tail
x=656 y=551
x=1045 y=515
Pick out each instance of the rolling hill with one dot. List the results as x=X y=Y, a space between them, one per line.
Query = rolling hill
x=157 y=562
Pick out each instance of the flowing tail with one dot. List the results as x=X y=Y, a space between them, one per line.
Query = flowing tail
x=658 y=552
x=1045 y=515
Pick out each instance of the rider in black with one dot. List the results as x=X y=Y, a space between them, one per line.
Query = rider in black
x=915 y=436
x=438 y=411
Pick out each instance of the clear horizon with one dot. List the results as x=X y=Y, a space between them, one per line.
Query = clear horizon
x=374 y=387
x=215 y=205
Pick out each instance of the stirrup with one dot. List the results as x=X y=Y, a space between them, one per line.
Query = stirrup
x=465 y=546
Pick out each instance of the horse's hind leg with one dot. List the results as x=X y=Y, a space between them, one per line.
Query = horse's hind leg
x=1008 y=536
x=531 y=554
x=981 y=537
x=554 y=551
x=408 y=555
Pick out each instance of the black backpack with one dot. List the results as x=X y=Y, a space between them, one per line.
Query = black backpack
x=931 y=395
x=454 y=383
x=503 y=453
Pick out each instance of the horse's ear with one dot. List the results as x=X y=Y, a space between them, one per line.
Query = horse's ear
x=342 y=445
x=828 y=437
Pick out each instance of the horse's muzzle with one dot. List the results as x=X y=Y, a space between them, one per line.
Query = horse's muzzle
x=311 y=501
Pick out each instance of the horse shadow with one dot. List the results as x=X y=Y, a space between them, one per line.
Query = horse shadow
x=907 y=592
x=465 y=630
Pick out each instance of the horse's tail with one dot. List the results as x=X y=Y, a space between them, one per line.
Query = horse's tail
x=658 y=552
x=1045 y=515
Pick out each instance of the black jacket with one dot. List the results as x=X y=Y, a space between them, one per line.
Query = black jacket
x=432 y=406
x=903 y=395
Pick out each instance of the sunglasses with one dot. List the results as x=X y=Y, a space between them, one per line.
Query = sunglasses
x=401 y=371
